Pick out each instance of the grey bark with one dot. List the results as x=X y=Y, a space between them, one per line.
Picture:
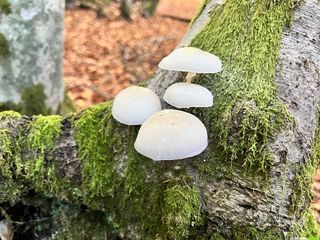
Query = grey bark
x=34 y=31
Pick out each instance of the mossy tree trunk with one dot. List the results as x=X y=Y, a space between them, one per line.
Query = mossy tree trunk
x=253 y=180
x=31 y=63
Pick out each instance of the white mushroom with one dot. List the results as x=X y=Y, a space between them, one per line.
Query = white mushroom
x=134 y=105
x=191 y=60
x=171 y=135
x=186 y=95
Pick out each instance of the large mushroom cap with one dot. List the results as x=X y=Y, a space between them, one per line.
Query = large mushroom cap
x=171 y=135
x=186 y=95
x=134 y=105
x=190 y=59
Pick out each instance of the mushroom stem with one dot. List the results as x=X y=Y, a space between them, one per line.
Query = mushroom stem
x=190 y=76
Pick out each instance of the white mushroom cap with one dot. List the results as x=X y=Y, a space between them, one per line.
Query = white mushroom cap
x=134 y=105
x=186 y=95
x=171 y=135
x=190 y=59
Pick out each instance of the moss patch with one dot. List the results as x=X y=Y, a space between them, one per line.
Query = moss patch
x=302 y=195
x=5 y=6
x=4 y=47
x=247 y=114
x=138 y=197
x=40 y=140
x=32 y=102
x=310 y=227
x=10 y=188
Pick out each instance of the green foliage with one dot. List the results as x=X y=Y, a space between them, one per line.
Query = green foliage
x=5 y=6
x=247 y=113
x=4 y=47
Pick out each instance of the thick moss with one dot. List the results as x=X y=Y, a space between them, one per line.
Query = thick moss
x=247 y=112
x=310 y=228
x=4 y=47
x=5 y=6
x=131 y=190
x=39 y=140
x=10 y=188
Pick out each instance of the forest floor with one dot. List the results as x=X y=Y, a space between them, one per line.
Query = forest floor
x=103 y=56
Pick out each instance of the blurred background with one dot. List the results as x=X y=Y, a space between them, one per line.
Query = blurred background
x=110 y=45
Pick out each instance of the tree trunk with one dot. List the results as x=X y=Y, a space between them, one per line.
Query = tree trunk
x=149 y=7
x=32 y=63
x=125 y=9
x=253 y=180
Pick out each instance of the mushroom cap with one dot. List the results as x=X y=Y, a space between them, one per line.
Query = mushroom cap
x=186 y=95
x=190 y=59
x=134 y=105
x=171 y=135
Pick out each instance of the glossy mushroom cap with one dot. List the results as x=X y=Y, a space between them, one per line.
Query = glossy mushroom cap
x=190 y=59
x=171 y=135
x=186 y=95
x=134 y=105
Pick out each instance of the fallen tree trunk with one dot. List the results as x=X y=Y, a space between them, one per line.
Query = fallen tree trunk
x=251 y=183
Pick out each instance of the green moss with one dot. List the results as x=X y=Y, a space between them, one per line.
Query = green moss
x=32 y=102
x=302 y=196
x=247 y=112
x=4 y=47
x=98 y=139
x=182 y=209
x=134 y=192
x=310 y=228
x=5 y=6
x=40 y=140
x=10 y=188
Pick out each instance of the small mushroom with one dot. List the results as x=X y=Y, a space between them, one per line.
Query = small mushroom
x=192 y=60
x=171 y=135
x=134 y=105
x=186 y=95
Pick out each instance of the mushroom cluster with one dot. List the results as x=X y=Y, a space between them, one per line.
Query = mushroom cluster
x=170 y=134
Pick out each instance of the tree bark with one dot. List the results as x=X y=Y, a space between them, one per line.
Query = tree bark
x=253 y=180
x=34 y=34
